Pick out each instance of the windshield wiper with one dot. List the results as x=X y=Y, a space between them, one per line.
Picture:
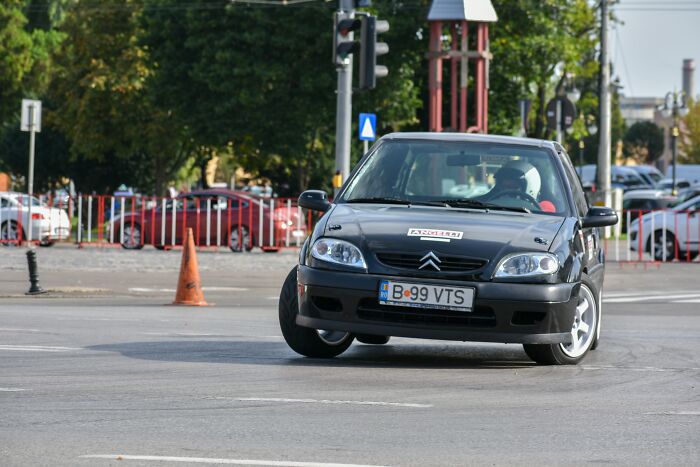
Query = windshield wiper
x=473 y=203
x=388 y=200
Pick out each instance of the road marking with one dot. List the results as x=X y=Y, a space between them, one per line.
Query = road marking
x=205 y=289
x=18 y=330
x=37 y=348
x=697 y=300
x=209 y=460
x=13 y=389
x=651 y=297
x=672 y=413
x=629 y=368
x=324 y=401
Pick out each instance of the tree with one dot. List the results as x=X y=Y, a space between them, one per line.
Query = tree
x=689 y=141
x=644 y=142
x=103 y=106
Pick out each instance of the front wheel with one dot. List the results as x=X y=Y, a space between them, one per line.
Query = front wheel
x=583 y=333
x=309 y=342
x=131 y=237
x=239 y=239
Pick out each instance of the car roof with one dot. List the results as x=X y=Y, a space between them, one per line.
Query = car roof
x=645 y=194
x=644 y=168
x=470 y=138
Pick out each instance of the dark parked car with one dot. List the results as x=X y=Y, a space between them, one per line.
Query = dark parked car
x=620 y=177
x=400 y=253
x=217 y=217
x=649 y=173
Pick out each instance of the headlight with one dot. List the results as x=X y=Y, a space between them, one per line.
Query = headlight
x=338 y=252
x=527 y=265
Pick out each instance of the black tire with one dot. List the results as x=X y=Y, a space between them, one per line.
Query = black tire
x=137 y=237
x=372 y=339
x=5 y=233
x=658 y=250
x=159 y=247
x=48 y=243
x=235 y=244
x=304 y=341
x=556 y=354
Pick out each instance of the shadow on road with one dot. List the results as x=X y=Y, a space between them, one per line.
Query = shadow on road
x=438 y=356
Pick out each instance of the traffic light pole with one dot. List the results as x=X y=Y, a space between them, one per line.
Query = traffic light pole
x=346 y=8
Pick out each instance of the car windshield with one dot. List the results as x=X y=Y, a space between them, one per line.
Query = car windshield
x=460 y=174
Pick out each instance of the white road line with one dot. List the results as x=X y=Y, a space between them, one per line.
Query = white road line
x=697 y=300
x=206 y=289
x=209 y=460
x=13 y=389
x=672 y=413
x=37 y=348
x=649 y=298
x=323 y=401
x=18 y=330
x=629 y=368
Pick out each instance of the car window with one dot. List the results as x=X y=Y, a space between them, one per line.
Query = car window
x=575 y=183
x=4 y=203
x=424 y=170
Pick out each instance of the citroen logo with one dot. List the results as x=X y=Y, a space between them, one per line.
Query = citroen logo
x=430 y=259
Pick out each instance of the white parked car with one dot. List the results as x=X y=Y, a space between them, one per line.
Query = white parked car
x=665 y=232
x=48 y=224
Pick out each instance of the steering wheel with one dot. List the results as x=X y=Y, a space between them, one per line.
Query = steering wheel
x=520 y=195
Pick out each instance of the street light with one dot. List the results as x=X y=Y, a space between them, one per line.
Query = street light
x=675 y=105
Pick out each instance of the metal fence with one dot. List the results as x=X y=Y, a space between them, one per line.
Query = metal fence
x=242 y=223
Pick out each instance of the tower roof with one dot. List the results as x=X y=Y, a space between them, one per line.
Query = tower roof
x=459 y=10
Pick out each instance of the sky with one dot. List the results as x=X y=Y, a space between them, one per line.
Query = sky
x=648 y=49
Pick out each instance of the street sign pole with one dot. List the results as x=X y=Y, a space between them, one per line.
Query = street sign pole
x=366 y=146
x=30 y=177
x=31 y=122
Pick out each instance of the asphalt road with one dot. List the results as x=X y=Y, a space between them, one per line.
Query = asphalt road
x=103 y=369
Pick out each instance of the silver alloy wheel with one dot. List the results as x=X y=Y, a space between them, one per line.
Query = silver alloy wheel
x=585 y=325
x=332 y=337
x=9 y=233
x=132 y=237
x=659 y=247
x=235 y=244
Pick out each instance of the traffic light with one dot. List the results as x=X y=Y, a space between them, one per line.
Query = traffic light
x=370 y=49
x=343 y=43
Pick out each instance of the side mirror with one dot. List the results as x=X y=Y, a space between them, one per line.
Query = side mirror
x=316 y=200
x=599 y=216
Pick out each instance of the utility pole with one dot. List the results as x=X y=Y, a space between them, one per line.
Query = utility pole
x=346 y=10
x=604 y=148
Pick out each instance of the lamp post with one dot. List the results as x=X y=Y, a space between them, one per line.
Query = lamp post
x=675 y=105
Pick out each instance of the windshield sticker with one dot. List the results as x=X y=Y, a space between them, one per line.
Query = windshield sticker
x=432 y=235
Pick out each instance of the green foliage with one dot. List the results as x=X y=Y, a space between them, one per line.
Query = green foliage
x=103 y=105
x=644 y=142
x=689 y=142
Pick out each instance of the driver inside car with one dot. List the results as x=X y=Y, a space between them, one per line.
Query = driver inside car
x=519 y=180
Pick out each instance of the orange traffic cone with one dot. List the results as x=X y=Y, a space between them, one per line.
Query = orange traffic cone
x=189 y=287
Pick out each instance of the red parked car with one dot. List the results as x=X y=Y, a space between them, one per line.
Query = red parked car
x=217 y=217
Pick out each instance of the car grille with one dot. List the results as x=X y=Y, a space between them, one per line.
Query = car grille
x=414 y=261
x=480 y=317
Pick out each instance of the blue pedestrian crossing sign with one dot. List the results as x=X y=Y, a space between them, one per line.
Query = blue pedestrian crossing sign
x=368 y=127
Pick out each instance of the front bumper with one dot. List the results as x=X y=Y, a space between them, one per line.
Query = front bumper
x=502 y=312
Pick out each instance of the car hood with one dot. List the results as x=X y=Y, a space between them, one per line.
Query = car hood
x=480 y=234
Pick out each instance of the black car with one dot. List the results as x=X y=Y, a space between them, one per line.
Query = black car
x=452 y=236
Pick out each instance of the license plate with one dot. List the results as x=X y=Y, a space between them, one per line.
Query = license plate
x=298 y=233
x=426 y=296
